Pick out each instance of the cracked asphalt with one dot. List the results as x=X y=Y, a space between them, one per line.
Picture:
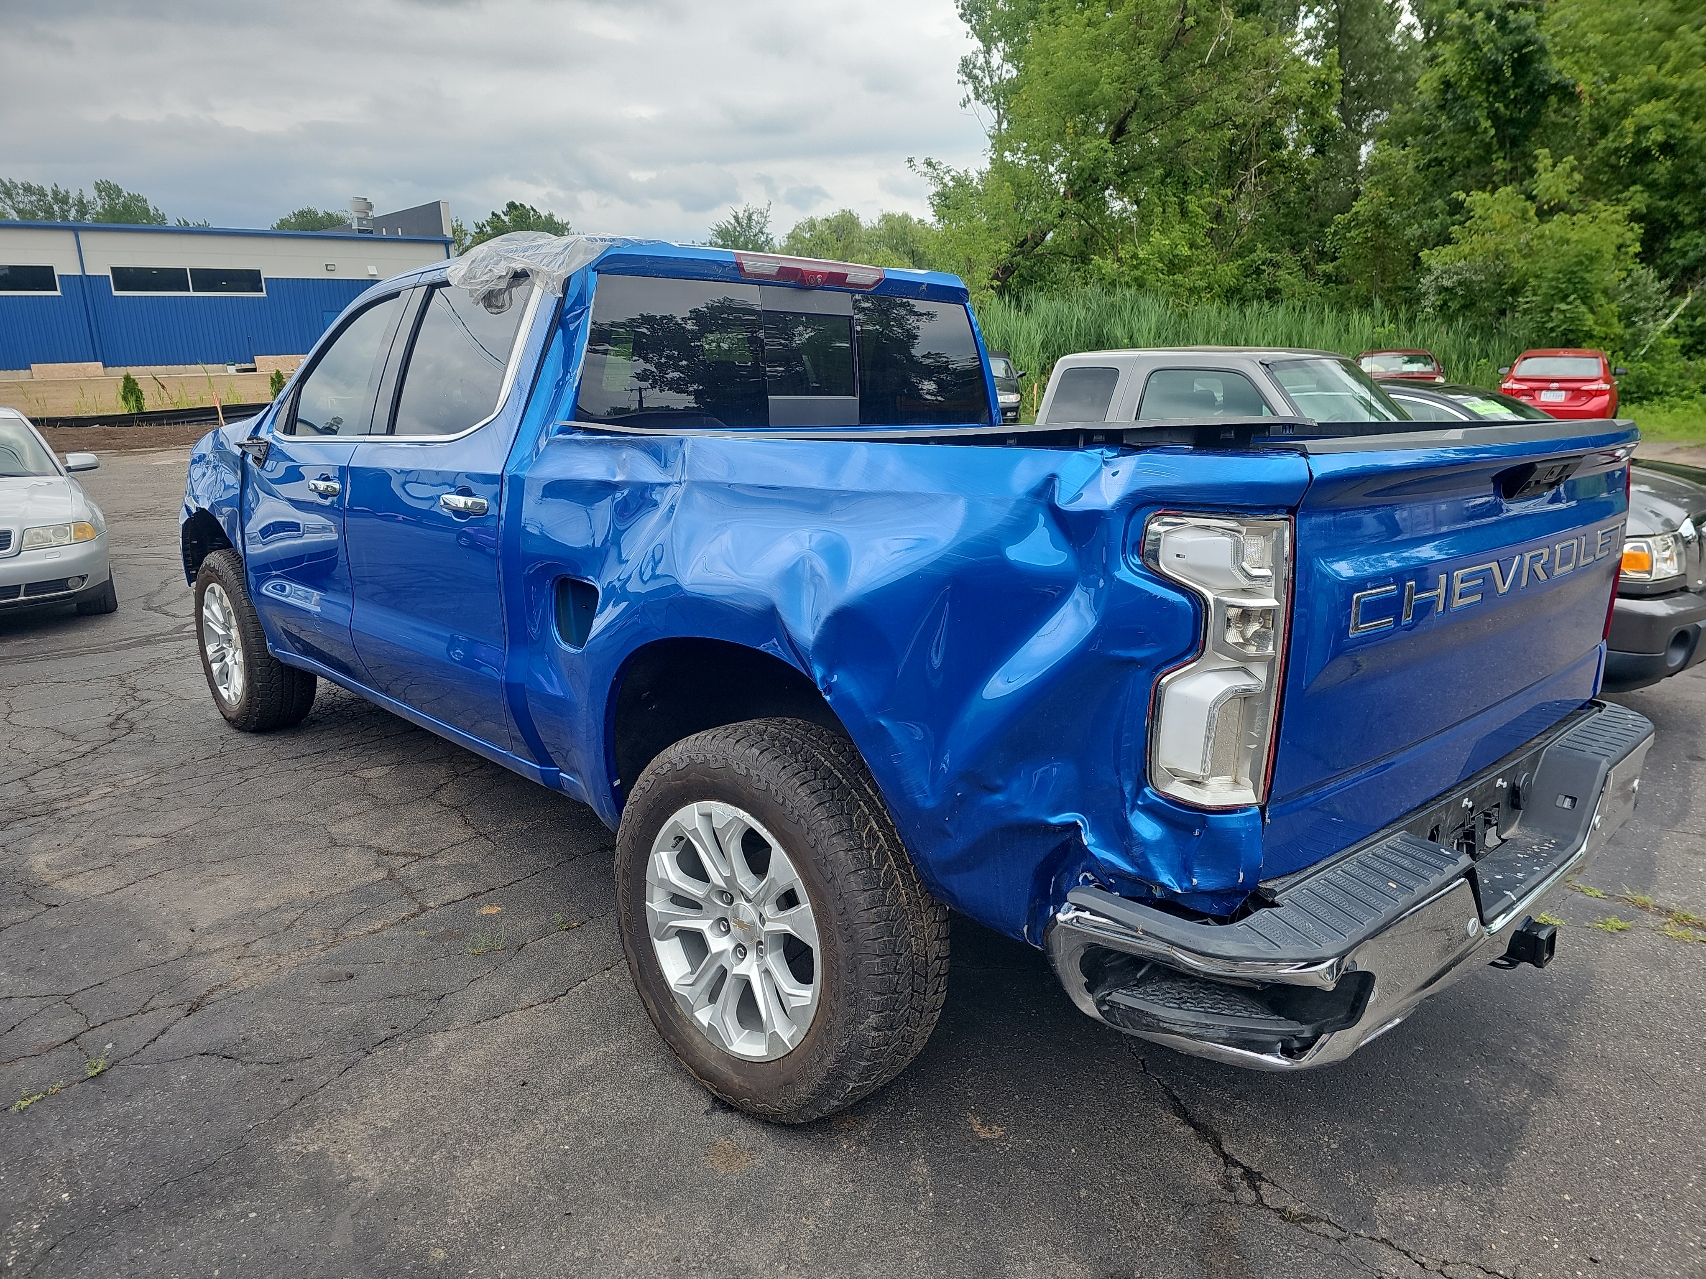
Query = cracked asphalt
x=362 y=1011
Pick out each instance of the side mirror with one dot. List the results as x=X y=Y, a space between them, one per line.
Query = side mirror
x=1021 y=373
x=1619 y=372
x=81 y=462
x=1504 y=369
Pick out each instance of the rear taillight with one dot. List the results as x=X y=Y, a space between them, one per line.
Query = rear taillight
x=1595 y=386
x=773 y=268
x=1212 y=722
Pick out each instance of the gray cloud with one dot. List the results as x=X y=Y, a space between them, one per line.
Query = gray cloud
x=648 y=116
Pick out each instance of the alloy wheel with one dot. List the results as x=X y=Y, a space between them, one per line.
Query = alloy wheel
x=220 y=642
x=733 y=930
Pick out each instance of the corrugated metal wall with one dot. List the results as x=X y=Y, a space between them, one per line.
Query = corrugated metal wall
x=193 y=329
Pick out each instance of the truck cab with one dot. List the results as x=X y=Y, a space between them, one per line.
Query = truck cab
x=1260 y=709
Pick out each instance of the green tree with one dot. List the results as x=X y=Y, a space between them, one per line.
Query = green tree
x=1638 y=122
x=1133 y=142
x=31 y=202
x=308 y=218
x=892 y=239
x=1488 y=95
x=747 y=227
x=515 y=216
x=1556 y=267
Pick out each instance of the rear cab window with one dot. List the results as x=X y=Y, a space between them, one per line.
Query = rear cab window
x=699 y=353
x=1200 y=393
x=1083 y=393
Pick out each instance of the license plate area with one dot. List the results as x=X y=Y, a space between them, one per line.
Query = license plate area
x=1554 y=397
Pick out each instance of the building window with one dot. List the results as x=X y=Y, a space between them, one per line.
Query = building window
x=222 y=279
x=195 y=279
x=150 y=279
x=28 y=279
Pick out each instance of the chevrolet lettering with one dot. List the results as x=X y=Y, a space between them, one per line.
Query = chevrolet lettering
x=1452 y=589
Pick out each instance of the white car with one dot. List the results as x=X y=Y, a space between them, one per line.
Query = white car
x=53 y=538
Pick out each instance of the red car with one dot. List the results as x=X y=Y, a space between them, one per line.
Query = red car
x=1408 y=366
x=1566 y=383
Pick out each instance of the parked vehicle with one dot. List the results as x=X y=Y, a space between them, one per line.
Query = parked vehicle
x=736 y=549
x=1565 y=382
x=1453 y=403
x=1008 y=392
x=53 y=538
x=1413 y=365
x=1661 y=596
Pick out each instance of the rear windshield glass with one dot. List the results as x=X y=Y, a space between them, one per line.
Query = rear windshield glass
x=674 y=352
x=1335 y=391
x=1558 y=366
x=695 y=353
x=1197 y=393
x=918 y=364
x=1393 y=362
x=20 y=453
x=1490 y=404
x=1083 y=394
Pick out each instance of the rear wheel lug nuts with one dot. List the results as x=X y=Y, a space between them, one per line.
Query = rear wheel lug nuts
x=722 y=925
x=740 y=952
x=728 y=899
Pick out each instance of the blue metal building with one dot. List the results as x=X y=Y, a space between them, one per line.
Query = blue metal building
x=126 y=296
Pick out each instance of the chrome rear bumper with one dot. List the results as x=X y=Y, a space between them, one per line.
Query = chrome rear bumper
x=1346 y=951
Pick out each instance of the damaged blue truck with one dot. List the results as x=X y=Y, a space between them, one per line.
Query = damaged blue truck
x=1263 y=710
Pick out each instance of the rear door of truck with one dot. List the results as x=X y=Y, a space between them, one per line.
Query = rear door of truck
x=1450 y=602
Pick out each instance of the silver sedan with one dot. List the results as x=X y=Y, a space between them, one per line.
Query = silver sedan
x=53 y=538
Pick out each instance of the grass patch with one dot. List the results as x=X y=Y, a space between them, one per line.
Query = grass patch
x=486 y=940
x=1680 y=421
x=95 y=1065
x=1587 y=890
x=1678 y=933
x=1612 y=924
x=1549 y=919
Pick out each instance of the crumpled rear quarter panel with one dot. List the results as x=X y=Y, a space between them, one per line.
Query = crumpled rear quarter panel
x=971 y=614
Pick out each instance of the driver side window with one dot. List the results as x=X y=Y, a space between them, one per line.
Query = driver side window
x=337 y=396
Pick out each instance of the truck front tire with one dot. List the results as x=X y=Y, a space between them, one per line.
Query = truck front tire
x=773 y=923
x=253 y=689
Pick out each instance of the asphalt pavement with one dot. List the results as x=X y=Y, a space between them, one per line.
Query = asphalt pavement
x=348 y=1001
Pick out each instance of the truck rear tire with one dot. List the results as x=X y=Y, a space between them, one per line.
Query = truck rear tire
x=253 y=689
x=773 y=923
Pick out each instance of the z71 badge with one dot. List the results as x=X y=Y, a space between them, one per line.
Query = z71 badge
x=1377 y=608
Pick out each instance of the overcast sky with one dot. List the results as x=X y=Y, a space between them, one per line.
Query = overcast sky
x=649 y=117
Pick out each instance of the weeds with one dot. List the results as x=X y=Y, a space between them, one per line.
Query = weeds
x=1677 y=933
x=1612 y=924
x=1587 y=890
x=24 y=1103
x=563 y=925
x=487 y=940
x=1549 y=919
x=95 y=1065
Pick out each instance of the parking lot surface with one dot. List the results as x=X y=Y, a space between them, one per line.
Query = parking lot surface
x=348 y=1000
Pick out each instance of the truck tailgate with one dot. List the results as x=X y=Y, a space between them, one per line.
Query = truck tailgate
x=1450 y=600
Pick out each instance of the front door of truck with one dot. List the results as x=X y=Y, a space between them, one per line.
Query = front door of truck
x=422 y=517
x=295 y=497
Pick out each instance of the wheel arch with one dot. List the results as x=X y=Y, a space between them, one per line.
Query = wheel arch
x=199 y=536
x=671 y=688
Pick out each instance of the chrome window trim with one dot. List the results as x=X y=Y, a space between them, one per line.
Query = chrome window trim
x=504 y=389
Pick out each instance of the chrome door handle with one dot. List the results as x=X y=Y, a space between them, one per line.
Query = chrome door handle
x=325 y=487
x=463 y=504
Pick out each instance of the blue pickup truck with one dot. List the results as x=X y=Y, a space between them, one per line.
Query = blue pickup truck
x=1265 y=711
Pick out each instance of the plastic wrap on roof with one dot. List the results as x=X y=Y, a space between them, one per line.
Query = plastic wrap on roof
x=492 y=269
